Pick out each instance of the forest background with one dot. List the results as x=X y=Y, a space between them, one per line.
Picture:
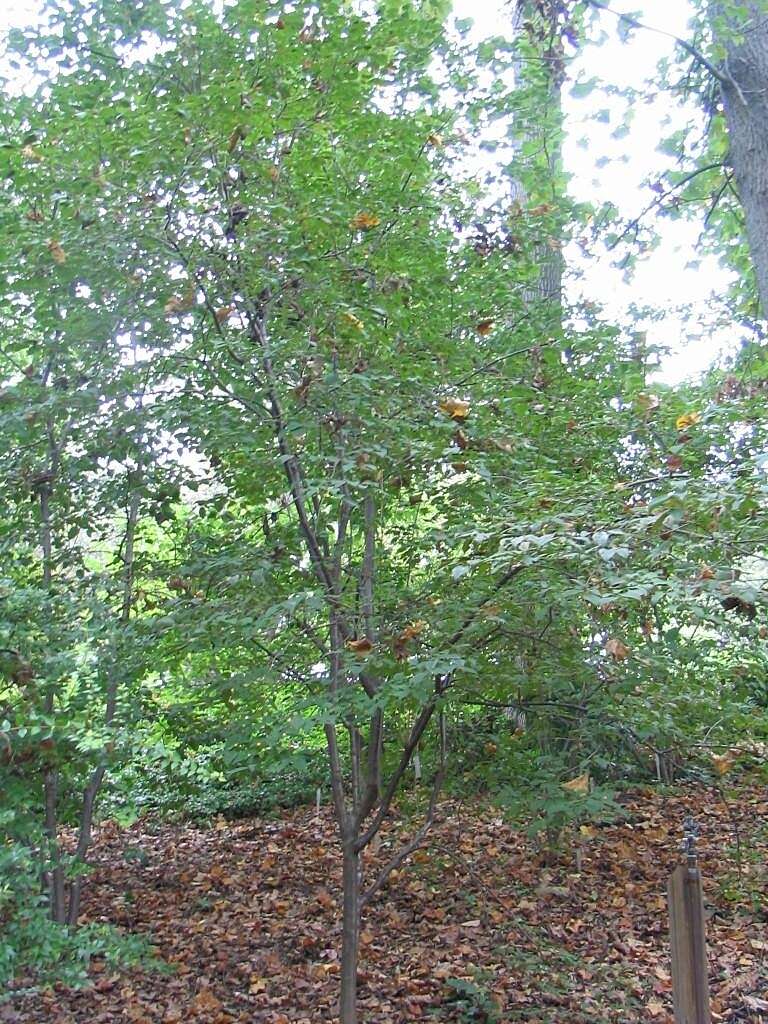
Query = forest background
x=323 y=478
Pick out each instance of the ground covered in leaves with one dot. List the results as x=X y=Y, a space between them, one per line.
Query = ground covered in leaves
x=477 y=928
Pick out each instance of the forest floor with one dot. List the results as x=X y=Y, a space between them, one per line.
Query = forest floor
x=476 y=928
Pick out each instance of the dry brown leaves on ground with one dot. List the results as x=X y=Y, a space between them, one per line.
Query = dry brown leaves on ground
x=246 y=914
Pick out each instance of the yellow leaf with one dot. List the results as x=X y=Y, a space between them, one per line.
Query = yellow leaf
x=30 y=153
x=364 y=222
x=273 y=172
x=456 y=408
x=56 y=251
x=617 y=649
x=435 y=140
x=578 y=785
x=722 y=763
x=688 y=419
x=360 y=647
x=353 y=321
x=223 y=314
x=484 y=327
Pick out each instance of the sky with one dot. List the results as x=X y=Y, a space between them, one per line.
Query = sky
x=665 y=280
x=615 y=170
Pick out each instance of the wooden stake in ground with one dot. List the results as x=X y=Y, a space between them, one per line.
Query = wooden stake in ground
x=690 y=984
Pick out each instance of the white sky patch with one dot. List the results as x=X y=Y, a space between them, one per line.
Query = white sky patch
x=675 y=274
x=614 y=170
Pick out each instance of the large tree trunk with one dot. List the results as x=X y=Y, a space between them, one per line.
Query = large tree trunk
x=745 y=99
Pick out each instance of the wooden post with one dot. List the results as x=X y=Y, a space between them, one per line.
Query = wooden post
x=690 y=984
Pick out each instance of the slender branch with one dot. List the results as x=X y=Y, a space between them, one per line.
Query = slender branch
x=628 y=19
x=635 y=222
x=409 y=847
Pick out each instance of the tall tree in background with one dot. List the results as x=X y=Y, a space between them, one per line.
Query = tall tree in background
x=741 y=32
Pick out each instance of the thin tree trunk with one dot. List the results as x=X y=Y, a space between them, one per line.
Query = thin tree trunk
x=51 y=776
x=350 y=940
x=744 y=86
x=56 y=873
x=91 y=791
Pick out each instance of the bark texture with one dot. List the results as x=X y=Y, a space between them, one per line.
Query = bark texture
x=745 y=100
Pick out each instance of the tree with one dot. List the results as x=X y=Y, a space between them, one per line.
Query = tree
x=383 y=481
x=742 y=35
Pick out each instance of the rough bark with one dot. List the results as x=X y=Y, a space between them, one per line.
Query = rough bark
x=744 y=86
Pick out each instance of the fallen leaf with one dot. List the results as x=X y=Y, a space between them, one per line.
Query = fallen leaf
x=578 y=785
x=205 y=1002
x=484 y=327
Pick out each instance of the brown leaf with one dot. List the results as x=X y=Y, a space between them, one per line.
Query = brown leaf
x=484 y=327
x=180 y=303
x=205 y=1002
x=364 y=222
x=56 y=251
x=223 y=314
x=617 y=649
x=235 y=138
x=360 y=647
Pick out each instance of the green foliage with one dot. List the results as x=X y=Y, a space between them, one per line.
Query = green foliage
x=470 y=1002
x=295 y=443
x=36 y=951
x=540 y=801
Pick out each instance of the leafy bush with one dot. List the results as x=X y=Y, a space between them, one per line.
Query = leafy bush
x=34 y=950
x=551 y=800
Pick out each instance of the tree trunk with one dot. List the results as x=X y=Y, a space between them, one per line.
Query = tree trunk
x=350 y=940
x=56 y=871
x=745 y=101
